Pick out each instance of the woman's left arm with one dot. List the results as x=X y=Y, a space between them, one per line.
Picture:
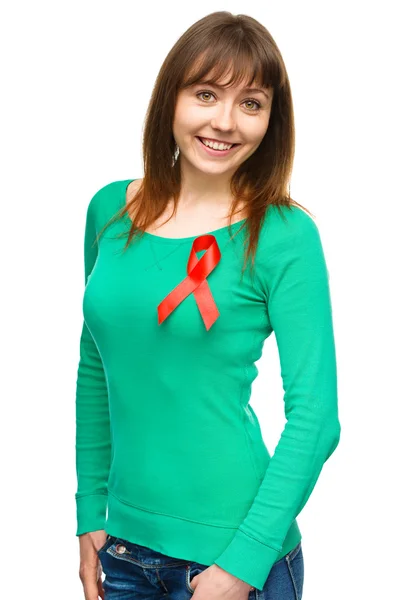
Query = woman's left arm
x=296 y=282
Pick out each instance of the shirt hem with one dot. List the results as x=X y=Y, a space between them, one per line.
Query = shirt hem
x=177 y=537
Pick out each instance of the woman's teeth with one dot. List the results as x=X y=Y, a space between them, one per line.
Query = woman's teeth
x=216 y=145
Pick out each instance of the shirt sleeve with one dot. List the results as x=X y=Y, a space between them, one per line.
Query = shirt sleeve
x=296 y=286
x=93 y=443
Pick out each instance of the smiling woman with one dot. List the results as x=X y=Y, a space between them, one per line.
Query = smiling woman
x=242 y=98
x=166 y=438
x=225 y=115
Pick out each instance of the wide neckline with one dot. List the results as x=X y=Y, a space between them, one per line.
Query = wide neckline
x=168 y=240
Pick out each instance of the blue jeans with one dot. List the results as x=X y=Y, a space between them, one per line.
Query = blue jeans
x=133 y=571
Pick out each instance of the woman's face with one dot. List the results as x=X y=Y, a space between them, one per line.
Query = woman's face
x=232 y=115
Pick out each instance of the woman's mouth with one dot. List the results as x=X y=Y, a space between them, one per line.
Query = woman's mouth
x=214 y=151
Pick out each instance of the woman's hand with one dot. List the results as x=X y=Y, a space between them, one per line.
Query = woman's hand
x=216 y=584
x=90 y=569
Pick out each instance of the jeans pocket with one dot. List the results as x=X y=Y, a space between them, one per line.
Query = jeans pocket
x=294 y=561
x=293 y=553
x=192 y=570
x=109 y=540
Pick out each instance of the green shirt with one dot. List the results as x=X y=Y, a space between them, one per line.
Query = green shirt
x=166 y=438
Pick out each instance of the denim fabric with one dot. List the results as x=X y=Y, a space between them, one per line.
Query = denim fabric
x=133 y=571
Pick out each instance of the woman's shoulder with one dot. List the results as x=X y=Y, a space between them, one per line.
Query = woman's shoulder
x=113 y=189
x=111 y=197
x=290 y=237
x=133 y=187
x=286 y=224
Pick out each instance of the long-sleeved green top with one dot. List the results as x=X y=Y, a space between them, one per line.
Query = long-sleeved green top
x=166 y=438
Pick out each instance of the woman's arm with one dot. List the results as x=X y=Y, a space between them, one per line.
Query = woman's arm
x=93 y=443
x=295 y=281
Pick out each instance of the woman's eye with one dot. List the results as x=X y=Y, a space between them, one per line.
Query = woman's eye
x=258 y=105
x=254 y=102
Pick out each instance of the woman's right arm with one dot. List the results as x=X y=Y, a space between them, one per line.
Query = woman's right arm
x=93 y=443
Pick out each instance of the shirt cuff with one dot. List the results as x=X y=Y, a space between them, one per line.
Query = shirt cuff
x=91 y=513
x=248 y=559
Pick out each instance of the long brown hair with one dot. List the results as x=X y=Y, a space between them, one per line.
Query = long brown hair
x=211 y=46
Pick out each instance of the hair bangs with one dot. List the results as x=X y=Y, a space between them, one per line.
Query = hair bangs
x=243 y=64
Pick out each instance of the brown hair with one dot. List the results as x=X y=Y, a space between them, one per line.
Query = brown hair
x=211 y=46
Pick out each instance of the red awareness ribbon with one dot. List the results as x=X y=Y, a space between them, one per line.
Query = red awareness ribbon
x=196 y=282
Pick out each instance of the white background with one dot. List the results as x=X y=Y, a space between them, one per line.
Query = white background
x=76 y=80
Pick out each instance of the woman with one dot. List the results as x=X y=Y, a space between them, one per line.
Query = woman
x=174 y=322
